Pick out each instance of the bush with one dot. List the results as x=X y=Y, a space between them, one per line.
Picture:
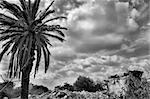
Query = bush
x=99 y=87
x=66 y=86
x=38 y=89
x=137 y=87
x=84 y=83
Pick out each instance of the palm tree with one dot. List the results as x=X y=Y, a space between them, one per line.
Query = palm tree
x=25 y=32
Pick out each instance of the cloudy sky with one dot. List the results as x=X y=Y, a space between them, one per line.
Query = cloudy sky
x=101 y=40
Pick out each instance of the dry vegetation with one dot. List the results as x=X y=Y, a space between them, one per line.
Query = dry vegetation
x=135 y=87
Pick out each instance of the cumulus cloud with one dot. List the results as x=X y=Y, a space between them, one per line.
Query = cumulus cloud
x=139 y=50
x=139 y=47
x=96 y=27
x=63 y=53
x=63 y=6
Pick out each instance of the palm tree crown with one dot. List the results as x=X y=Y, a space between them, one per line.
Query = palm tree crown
x=27 y=29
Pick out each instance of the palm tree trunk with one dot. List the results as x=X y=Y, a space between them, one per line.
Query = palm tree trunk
x=25 y=79
x=25 y=84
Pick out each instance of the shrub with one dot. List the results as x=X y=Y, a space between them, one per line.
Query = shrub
x=137 y=87
x=66 y=86
x=84 y=83
x=38 y=89
x=99 y=86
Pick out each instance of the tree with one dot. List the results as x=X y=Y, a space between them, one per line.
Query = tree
x=84 y=83
x=9 y=91
x=137 y=87
x=99 y=86
x=68 y=87
x=38 y=90
x=25 y=31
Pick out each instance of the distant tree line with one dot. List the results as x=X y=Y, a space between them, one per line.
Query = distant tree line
x=82 y=84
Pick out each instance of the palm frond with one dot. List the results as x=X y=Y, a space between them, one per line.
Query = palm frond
x=29 y=4
x=13 y=51
x=35 y=8
x=43 y=14
x=5 y=22
x=16 y=43
x=46 y=40
x=57 y=18
x=46 y=54
x=54 y=28
x=8 y=31
x=55 y=36
x=48 y=59
x=3 y=16
x=15 y=68
x=44 y=23
x=23 y=4
x=11 y=64
x=25 y=16
x=12 y=8
x=5 y=49
x=43 y=44
x=39 y=54
x=46 y=14
x=12 y=40
x=60 y=33
x=5 y=37
x=49 y=6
